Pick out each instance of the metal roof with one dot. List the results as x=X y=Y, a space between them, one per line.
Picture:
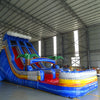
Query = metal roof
x=46 y=18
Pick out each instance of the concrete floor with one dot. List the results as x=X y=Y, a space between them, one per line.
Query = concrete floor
x=9 y=91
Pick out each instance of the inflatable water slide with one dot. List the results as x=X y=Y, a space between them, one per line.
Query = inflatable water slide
x=54 y=80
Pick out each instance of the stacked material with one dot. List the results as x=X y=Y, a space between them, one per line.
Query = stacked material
x=78 y=83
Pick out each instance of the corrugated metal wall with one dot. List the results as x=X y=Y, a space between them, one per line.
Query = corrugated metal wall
x=43 y=48
x=65 y=46
x=59 y=45
x=35 y=45
x=94 y=37
x=60 y=48
x=47 y=47
x=68 y=47
x=82 y=47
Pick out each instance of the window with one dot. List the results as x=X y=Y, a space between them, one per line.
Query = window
x=76 y=43
x=39 y=48
x=76 y=60
x=55 y=45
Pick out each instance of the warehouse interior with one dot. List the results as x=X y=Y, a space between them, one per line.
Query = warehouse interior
x=49 y=20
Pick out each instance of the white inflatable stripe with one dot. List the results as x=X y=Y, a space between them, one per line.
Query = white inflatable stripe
x=18 y=35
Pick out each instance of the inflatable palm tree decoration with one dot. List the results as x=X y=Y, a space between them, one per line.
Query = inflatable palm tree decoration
x=55 y=58
x=27 y=58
